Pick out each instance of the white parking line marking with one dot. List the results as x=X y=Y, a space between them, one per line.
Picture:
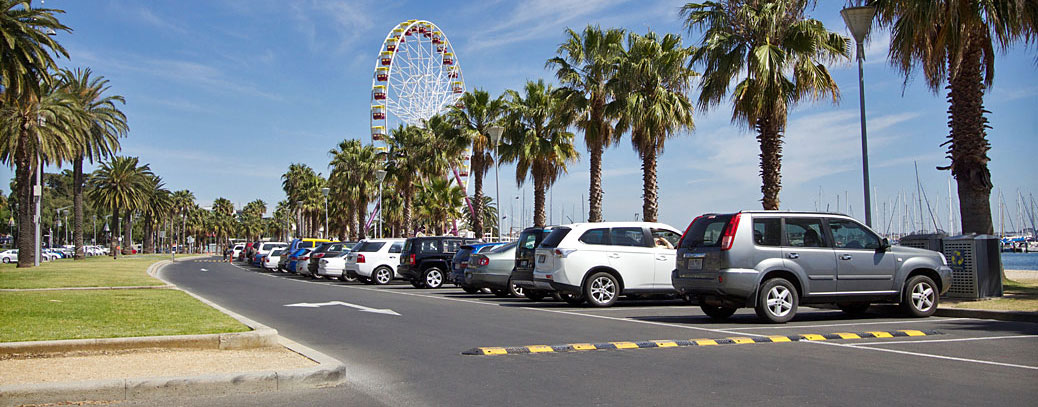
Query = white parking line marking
x=926 y=355
x=983 y=338
x=918 y=321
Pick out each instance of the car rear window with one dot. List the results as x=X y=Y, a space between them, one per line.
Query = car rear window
x=368 y=247
x=503 y=248
x=463 y=253
x=306 y=244
x=705 y=232
x=276 y=252
x=554 y=238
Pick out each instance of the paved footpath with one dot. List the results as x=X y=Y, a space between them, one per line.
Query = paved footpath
x=415 y=358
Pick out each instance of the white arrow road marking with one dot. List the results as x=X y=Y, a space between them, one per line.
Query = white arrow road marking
x=204 y=270
x=345 y=304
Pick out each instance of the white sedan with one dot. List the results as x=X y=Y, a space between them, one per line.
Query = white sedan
x=270 y=260
x=331 y=267
x=9 y=256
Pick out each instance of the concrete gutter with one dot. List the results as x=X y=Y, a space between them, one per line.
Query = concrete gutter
x=328 y=372
x=1019 y=316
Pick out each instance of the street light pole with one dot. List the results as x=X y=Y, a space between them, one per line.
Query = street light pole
x=325 y=191
x=859 y=22
x=380 y=175
x=495 y=137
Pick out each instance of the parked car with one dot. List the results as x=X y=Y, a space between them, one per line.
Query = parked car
x=460 y=261
x=775 y=261
x=236 y=251
x=297 y=261
x=492 y=269
x=325 y=249
x=295 y=245
x=270 y=260
x=424 y=261
x=9 y=256
x=374 y=261
x=261 y=249
x=599 y=262
x=331 y=267
x=522 y=275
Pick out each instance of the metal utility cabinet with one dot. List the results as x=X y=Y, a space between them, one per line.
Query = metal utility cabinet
x=976 y=265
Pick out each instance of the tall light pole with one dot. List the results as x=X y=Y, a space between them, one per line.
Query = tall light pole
x=495 y=137
x=859 y=22
x=325 y=191
x=380 y=175
x=37 y=196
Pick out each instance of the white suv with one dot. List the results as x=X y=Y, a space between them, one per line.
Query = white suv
x=374 y=260
x=598 y=262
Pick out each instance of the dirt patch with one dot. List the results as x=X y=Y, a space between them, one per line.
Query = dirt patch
x=83 y=366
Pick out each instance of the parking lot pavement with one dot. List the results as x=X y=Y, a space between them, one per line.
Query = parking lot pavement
x=958 y=361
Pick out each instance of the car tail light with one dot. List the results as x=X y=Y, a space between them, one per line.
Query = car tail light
x=318 y=255
x=728 y=236
x=483 y=261
x=304 y=258
x=360 y=258
x=411 y=259
x=564 y=252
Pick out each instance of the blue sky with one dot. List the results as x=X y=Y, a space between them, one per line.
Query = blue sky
x=223 y=95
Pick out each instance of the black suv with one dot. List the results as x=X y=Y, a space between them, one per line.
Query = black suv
x=522 y=274
x=425 y=260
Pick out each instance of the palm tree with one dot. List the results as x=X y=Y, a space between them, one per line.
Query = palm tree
x=585 y=64
x=404 y=164
x=222 y=219
x=120 y=186
x=183 y=201
x=478 y=114
x=352 y=181
x=99 y=133
x=441 y=203
x=651 y=86
x=954 y=41
x=25 y=52
x=488 y=214
x=537 y=140
x=777 y=55
x=157 y=204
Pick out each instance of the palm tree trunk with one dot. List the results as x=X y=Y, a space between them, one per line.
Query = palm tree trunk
x=77 y=207
x=114 y=232
x=477 y=195
x=968 y=144
x=26 y=210
x=539 y=191
x=362 y=209
x=149 y=240
x=127 y=243
x=408 y=227
x=770 y=138
x=650 y=197
x=595 y=189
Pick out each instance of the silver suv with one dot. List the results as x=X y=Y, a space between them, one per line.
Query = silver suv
x=774 y=261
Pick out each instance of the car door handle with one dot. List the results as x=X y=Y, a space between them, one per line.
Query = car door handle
x=661 y=258
x=794 y=255
x=845 y=257
x=614 y=256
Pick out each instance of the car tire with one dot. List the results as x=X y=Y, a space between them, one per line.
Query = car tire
x=433 y=277
x=349 y=277
x=382 y=275
x=920 y=297
x=7 y=260
x=854 y=308
x=470 y=289
x=417 y=284
x=514 y=290
x=777 y=301
x=571 y=299
x=716 y=312
x=500 y=293
x=601 y=290
x=534 y=295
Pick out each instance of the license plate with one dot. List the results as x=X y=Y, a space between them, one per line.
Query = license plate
x=540 y=259
x=694 y=264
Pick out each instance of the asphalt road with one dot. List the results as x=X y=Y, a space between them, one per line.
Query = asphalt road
x=414 y=358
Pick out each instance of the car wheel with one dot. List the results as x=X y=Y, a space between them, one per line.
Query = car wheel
x=433 y=277
x=7 y=260
x=572 y=299
x=601 y=290
x=534 y=295
x=417 y=283
x=349 y=277
x=500 y=293
x=920 y=297
x=853 y=308
x=719 y=313
x=470 y=289
x=777 y=301
x=514 y=290
x=383 y=275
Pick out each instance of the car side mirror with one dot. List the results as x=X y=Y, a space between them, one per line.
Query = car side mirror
x=883 y=246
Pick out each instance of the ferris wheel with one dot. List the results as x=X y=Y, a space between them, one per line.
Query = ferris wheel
x=417 y=75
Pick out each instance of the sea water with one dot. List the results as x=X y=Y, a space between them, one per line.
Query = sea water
x=1020 y=261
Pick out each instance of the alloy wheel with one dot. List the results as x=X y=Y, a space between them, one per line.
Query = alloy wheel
x=602 y=290
x=922 y=296
x=780 y=302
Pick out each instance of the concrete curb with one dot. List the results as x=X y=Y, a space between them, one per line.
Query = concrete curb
x=329 y=371
x=1018 y=316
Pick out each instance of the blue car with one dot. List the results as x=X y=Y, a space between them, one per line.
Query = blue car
x=461 y=260
x=297 y=259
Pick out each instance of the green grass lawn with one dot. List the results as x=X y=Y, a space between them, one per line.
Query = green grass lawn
x=99 y=271
x=49 y=315
x=1020 y=295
